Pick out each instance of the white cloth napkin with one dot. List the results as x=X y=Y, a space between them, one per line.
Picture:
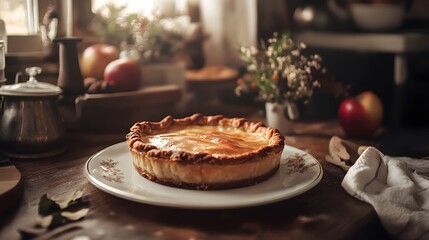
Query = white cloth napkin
x=397 y=188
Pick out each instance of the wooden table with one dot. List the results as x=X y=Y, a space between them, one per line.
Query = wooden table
x=324 y=212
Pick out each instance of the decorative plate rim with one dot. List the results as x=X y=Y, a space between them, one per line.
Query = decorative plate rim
x=259 y=198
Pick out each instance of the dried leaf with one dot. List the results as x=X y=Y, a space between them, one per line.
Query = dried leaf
x=341 y=164
x=353 y=149
x=343 y=153
x=361 y=149
x=337 y=149
x=77 y=205
x=74 y=216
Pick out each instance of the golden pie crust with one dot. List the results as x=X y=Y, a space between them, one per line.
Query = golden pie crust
x=205 y=152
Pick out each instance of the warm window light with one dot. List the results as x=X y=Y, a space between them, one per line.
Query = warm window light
x=144 y=7
x=308 y=14
x=16 y=14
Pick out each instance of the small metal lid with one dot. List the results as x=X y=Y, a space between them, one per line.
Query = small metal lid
x=31 y=88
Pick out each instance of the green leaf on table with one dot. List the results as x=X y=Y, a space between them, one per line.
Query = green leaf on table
x=77 y=205
x=56 y=211
x=51 y=221
x=47 y=206
x=57 y=220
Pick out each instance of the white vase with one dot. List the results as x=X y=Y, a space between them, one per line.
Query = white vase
x=275 y=116
x=162 y=74
x=158 y=74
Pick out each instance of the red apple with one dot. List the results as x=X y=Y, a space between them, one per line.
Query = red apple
x=123 y=75
x=362 y=115
x=95 y=58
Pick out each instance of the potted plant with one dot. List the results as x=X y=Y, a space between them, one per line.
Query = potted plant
x=163 y=46
x=281 y=75
x=111 y=25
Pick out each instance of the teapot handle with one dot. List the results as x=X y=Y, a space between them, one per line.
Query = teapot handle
x=17 y=75
x=1 y=105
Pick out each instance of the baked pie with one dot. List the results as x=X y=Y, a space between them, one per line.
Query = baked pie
x=205 y=152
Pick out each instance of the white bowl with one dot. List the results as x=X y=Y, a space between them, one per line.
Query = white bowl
x=377 y=16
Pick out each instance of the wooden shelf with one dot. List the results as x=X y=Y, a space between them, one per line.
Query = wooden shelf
x=369 y=42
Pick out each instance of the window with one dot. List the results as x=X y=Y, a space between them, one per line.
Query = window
x=144 y=7
x=21 y=16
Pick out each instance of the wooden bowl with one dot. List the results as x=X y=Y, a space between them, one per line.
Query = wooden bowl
x=117 y=112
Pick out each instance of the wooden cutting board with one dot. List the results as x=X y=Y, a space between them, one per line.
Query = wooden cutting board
x=10 y=184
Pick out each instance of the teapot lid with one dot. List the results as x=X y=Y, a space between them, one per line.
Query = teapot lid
x=31 y=88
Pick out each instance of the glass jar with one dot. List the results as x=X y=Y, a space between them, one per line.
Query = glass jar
x=2 y=63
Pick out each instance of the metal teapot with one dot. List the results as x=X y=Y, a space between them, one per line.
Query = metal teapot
x=30 y=125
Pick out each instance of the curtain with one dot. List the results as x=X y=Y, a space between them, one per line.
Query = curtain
x=228 y=24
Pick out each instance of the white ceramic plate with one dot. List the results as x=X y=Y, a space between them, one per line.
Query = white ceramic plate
x=112 y=171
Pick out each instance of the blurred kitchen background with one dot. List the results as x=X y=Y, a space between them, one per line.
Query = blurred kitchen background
x=220 y=26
